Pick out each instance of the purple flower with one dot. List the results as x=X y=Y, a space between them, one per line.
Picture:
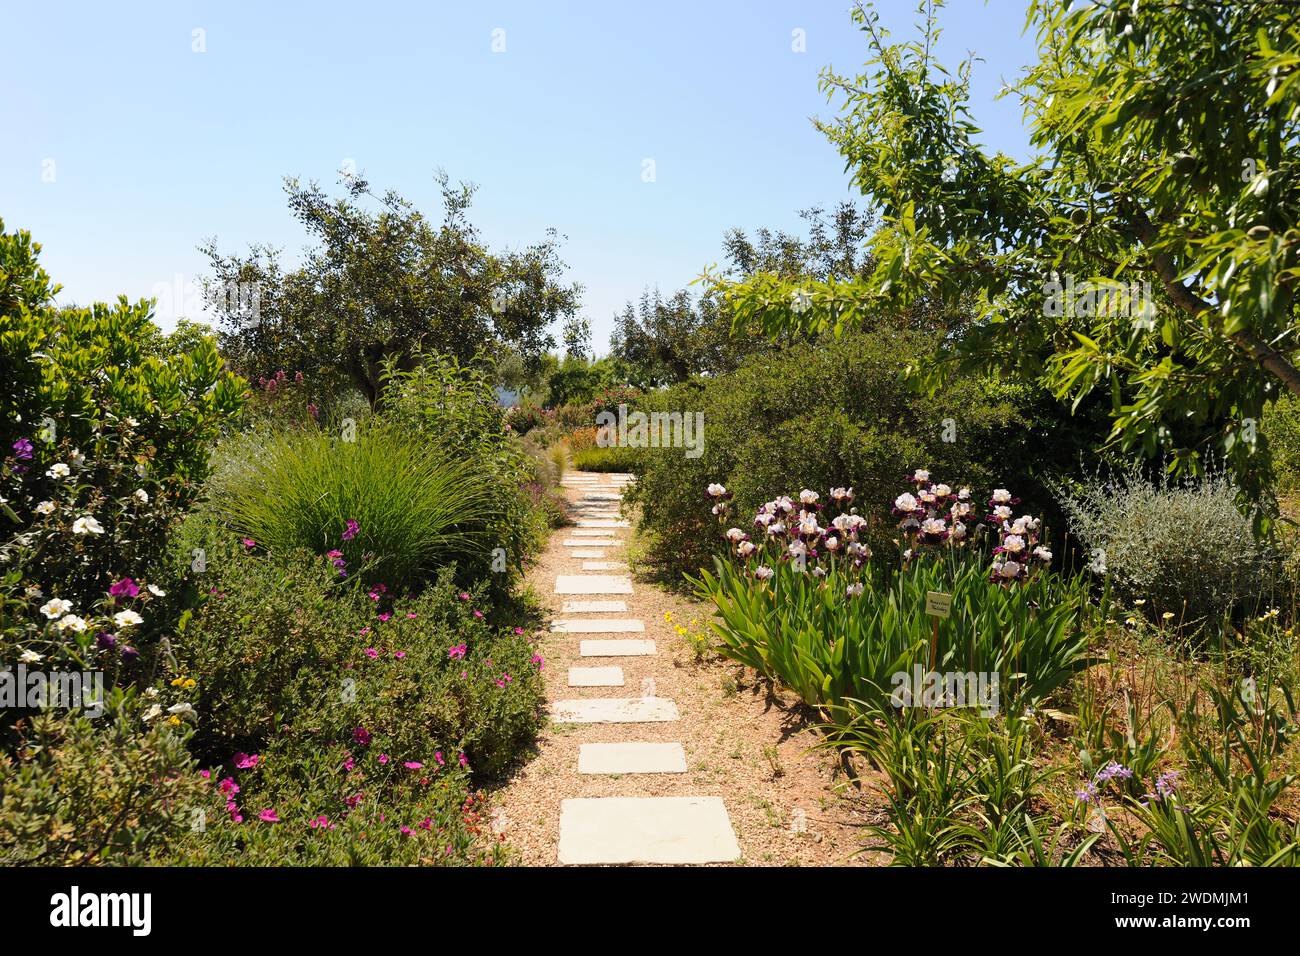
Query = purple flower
x=124 y=588
x=105 y=641
x=129 y=653
x=23 y=449
x=351 y=530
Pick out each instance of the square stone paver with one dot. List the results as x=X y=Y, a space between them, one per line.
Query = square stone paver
x=596 y=677
x=631 y=758
x=595 y=625
x=614 y=710
x=593 y=584
x=626 y=648
x=596 y=830
x=593 y=607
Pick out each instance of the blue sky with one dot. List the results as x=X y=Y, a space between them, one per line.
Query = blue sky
x=153 y=147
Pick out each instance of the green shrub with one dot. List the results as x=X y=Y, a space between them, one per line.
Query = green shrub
x=1181 y=547
x=605 y=459
x=1281 y=431
x=105 y=432
x=79 y=792
x=455 y=408
x=415 y=509
x=837 y=413
x=281 y=646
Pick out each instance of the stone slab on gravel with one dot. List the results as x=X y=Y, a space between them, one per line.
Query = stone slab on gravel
x=602 y=496
x=596 y=677
x=601 y=523
x=614 y=710
x=593 y=607
x=631 y=758
x=581 y=532
x=602 y=565
x=596 y=830
x=588 y=553
x=593 y=584
x=595 y=625
x=592 y=543
x=628 y=648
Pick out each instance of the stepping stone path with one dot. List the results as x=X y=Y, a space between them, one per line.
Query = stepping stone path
x=685 y=829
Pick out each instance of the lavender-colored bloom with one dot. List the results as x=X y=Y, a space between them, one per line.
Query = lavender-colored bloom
x=106 y=641
x=129 y=653
x=23 y=449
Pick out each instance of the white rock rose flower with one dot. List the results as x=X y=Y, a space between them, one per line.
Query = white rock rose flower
x=29 y=656
x=142 y=496
x=56 y=607
x=45 y=508
x=71 y=622
x=58 y=470
x=156 y=591
x=127 y=619
x=87 y=524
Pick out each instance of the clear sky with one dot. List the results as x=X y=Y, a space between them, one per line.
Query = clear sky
x=152 y=147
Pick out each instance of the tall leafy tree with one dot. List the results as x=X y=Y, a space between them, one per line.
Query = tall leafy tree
x=666 y=339
x=1166 y=133
x=383 y=282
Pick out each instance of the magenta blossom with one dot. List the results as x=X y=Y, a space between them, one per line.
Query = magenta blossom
x=249 y=543
x=457 y=651
x=478 y=613
x=383 y=758
x=244 y=761
x=124 y=588
x=361 y=736
x=351 y=530
x=385 y=616
x=371 y=653
x=464 y=761
x=399 y=654
x=268 y=816
x=413 y=765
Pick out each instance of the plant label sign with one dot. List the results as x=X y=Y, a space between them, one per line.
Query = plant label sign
x=938 y=604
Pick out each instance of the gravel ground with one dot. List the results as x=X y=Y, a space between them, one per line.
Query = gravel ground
x=744 y=741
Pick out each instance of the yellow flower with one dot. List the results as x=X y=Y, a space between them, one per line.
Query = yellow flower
x=1131 y=621
x=1168 y=615
x=178 y=682
x=174 y=720
x=190 y=683
x=1140 y=601
x=668 y=616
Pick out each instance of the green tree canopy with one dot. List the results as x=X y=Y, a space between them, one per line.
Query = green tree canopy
x=383 y=282
x=1165 y=188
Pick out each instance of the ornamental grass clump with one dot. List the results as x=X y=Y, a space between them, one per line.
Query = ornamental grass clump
x=390 y=502
x=801 y=600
